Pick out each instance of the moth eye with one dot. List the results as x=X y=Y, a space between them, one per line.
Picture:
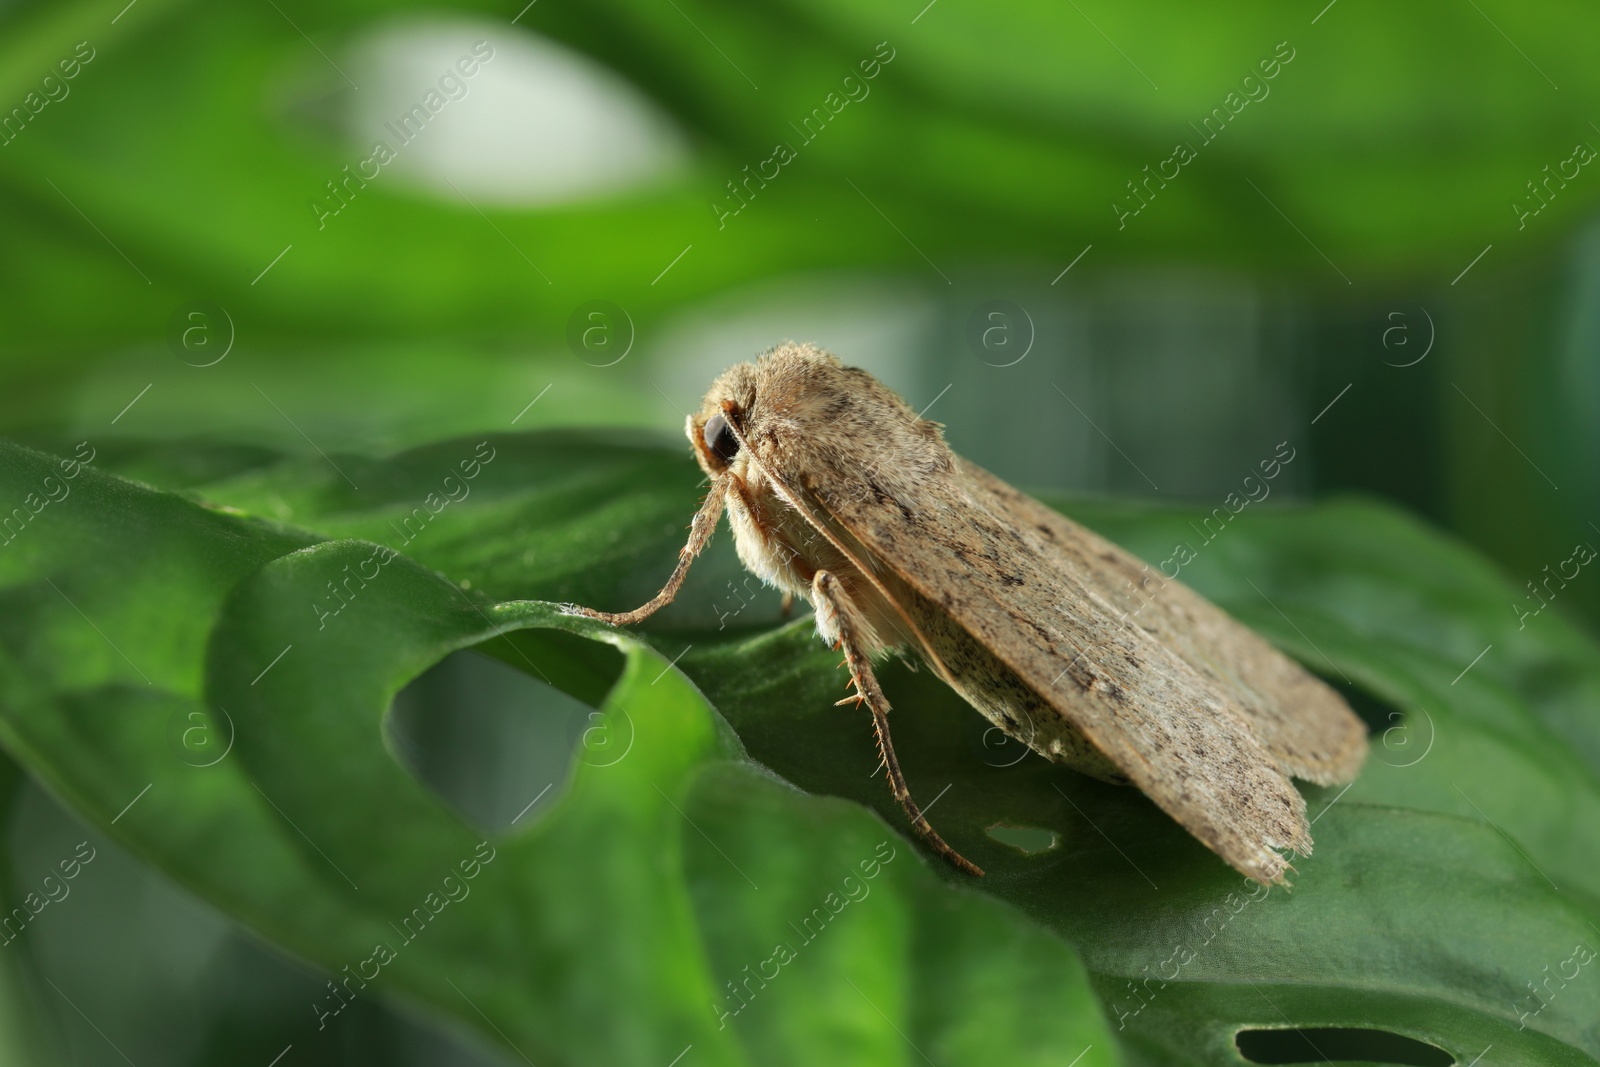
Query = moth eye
x=718 y=436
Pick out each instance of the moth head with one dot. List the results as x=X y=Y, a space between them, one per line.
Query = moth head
x=798 y=405
x=716 y=437
x=720 y=431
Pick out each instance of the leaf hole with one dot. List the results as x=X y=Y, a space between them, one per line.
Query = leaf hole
x=1030 y=840
x=495 y=741
x=1338 y=1044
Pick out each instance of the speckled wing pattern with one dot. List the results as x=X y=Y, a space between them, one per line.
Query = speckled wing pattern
x=1202 y=715
x=1306 y=726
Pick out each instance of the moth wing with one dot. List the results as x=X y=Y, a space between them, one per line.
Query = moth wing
x=1179 y=736
x=1304 y=723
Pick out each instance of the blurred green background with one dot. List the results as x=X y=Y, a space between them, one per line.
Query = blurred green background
x=1380 y=246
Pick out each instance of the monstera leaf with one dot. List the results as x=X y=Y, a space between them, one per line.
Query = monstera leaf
x=719 y=875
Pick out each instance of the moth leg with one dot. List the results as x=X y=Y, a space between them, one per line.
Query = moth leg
x=700 y=531
x=787 y=607
x=834 y=614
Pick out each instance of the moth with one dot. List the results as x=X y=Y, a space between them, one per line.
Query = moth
x=839 y=493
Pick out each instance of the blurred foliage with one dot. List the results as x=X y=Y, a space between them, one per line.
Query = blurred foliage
x=197 y=137
x=1428 y=905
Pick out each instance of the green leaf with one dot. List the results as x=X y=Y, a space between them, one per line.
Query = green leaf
x=1429 y=903
x=1453 y=873
x=634 y=896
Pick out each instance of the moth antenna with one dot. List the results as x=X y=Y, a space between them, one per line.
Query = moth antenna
x=700 y=531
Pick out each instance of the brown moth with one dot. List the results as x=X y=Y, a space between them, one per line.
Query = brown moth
x=839 y=493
